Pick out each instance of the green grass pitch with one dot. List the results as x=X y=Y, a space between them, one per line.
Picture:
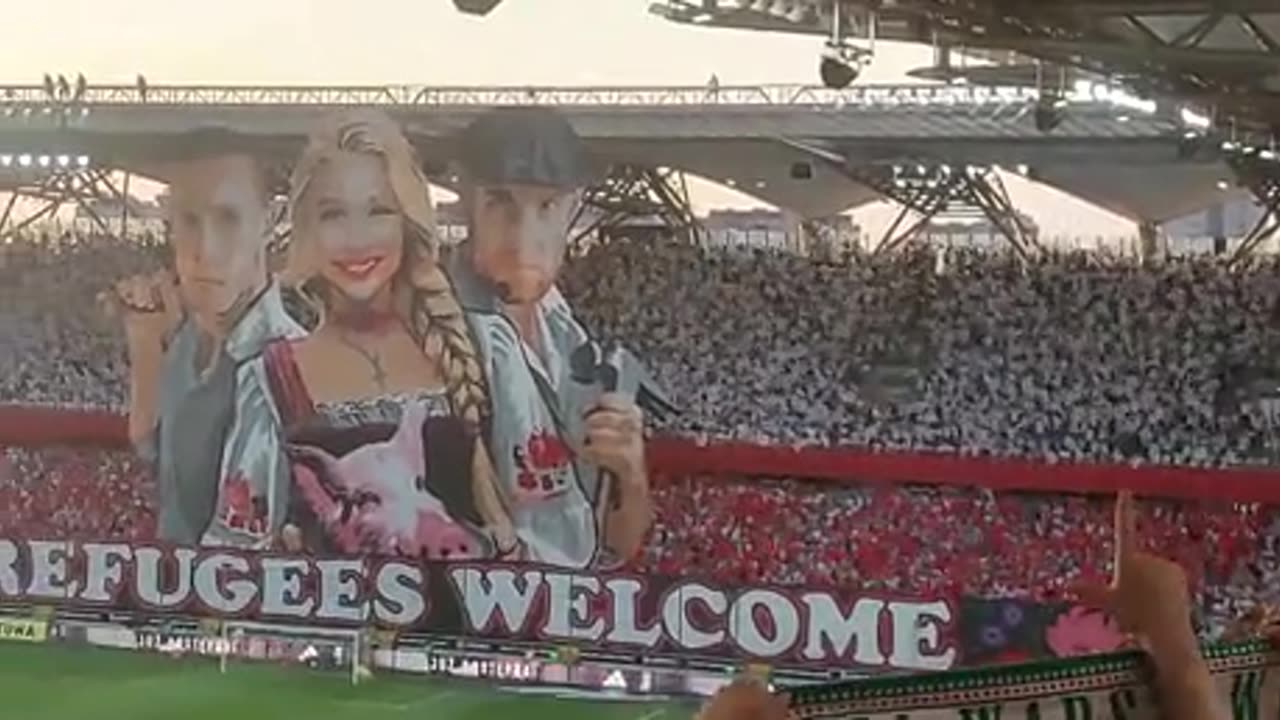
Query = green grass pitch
x=47 y=682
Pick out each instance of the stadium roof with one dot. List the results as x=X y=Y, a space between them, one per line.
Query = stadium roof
x=1221 y=54
x=799 y=148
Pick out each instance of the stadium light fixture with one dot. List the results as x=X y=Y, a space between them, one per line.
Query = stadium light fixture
x=761 y=184
x=6 y=160
x=731 y=182
x=838 y=73
x=1193 y=119
x=1050 y=111
x=1123 y=118
x=64 y=160
x=24 y=160
x=82 y=160
x=1223 y=185
x=1023 y=170
x=44 y=161
x=1268 y=155
x=1230 y=146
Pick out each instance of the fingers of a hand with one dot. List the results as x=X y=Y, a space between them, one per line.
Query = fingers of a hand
x=610 y=421
x=1126 y=532
x=608 y=448
x=616 y=402
x=742 y=699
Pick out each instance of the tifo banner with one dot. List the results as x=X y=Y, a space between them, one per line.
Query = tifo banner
x=1109 y=687
x=365 y=388
x=629 y=613
x=22 y=630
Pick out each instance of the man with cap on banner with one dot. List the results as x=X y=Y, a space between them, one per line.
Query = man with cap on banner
x=199 y=406
x=569 y=449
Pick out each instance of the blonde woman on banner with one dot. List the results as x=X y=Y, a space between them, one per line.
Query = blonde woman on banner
x=384 y=405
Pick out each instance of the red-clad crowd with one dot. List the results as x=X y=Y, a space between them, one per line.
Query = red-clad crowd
x=888 y=538
x=946 y=542
x=67 y=493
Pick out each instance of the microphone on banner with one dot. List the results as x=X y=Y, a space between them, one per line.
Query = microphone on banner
x=614 y=369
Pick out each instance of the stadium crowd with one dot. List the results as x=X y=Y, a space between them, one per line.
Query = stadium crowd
x=1067 y=357
x=1074 y=356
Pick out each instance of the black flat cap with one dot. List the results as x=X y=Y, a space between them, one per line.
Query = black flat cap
x=526 y=146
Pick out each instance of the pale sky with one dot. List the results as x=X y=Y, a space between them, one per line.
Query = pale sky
x=524 y=42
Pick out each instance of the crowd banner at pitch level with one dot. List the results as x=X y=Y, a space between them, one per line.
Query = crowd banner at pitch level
x=644 y=615
x=1106 y=687
x=799 y=627
x=23 y=630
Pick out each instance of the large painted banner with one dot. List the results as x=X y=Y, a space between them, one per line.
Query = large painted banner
x=641 y=615
x=369 y=392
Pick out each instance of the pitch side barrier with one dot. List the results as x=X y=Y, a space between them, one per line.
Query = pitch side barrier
x=1103 y=687
x=36 y=427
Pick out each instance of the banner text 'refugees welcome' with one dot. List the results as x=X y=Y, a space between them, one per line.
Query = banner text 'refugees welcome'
x=625 y=612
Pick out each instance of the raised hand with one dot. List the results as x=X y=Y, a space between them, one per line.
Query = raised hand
x=1148 y=595
x=148 y=304
x=745 y=700
x=615 y=437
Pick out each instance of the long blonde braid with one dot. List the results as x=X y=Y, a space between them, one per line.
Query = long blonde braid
x=425 y=297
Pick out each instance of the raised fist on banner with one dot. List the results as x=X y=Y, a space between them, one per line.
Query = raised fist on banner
x=149 y=305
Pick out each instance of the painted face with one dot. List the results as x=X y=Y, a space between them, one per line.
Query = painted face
x=356 y=225
x=220 y=227
x=520 y=233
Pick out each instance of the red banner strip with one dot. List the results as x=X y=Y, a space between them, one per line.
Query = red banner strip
x=33 y=427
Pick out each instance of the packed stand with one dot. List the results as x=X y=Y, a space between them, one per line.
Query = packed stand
x=75 y=494
x=932 y=542
x=57 y=347
x=1077 y=356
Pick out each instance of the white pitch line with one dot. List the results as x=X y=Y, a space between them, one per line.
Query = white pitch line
x=653 y=714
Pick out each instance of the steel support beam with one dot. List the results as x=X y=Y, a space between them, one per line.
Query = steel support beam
x=941 y=188
x=631 y=192
x=77 y=187
x=1263 y=181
